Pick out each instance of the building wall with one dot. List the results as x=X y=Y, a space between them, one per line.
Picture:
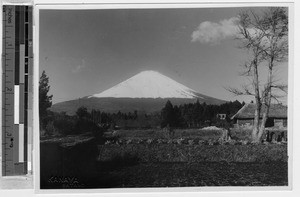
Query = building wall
x=245 y=122
x=275 y=135
x=271 y=122
x=280 y=123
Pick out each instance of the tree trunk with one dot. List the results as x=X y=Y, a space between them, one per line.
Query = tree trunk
x=255 y=130
x=267 y=99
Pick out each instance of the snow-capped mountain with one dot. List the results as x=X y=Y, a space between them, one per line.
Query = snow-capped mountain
x=148 y=84
x=146 y=92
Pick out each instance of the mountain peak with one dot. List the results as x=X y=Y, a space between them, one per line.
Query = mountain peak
x=148 y=84
x=148 y=72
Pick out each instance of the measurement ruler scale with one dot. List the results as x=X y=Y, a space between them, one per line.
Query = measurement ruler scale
x=17 y=85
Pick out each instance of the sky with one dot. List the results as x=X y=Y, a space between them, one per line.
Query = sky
x=85 y=52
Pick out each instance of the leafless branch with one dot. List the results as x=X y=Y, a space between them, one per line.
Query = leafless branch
x=281 y=87
x=240 y=92
x=276 y=98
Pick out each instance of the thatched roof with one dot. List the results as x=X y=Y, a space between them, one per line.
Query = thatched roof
x=247 y=111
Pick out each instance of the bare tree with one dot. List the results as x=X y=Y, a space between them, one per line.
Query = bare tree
x=266 y=40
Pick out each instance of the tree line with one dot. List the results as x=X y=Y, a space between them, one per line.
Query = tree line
x=54 y=123
x=198 y=115
x=192 y=115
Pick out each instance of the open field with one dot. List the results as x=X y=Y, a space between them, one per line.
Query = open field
x=202 y=174
x=208 y=133
x=163 y=134
x=151 y=158
x=170 y=174
x=194 y=153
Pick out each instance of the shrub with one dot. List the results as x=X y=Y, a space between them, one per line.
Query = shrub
x=191 y=142
x=64 y=124
x=200 y=142
x=50 y=129
x=128 y=141
x=241 y=134
x=85 y=125
x=149 y=141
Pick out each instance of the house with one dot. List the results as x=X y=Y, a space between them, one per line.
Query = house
x=277 y=116
x=221 y=116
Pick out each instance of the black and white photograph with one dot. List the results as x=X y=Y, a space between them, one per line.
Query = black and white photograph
x=164 y=97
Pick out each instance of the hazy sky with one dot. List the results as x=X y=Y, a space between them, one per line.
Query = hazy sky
x=88 y=51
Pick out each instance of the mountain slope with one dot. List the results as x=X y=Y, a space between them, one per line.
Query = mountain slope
x=147 y=91
x=148 y=84
x=113 y=105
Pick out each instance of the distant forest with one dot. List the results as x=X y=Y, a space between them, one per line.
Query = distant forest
x=198 y=115
x=192 y=115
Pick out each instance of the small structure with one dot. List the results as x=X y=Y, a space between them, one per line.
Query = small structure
x=221 y=116
x=277 y=116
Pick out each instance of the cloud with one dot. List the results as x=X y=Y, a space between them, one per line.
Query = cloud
x=213 y=33
x=80 y=67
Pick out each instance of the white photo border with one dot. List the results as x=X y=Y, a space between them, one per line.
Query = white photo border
x=215 y=191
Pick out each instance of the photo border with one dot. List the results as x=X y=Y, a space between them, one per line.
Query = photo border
x=40 y=5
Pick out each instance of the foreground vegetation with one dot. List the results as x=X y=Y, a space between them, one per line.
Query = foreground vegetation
x=162 y=165
x=194 y=153
x=201 y=174
x=153 y=158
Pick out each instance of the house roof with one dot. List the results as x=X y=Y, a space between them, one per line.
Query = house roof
x=248 y=110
